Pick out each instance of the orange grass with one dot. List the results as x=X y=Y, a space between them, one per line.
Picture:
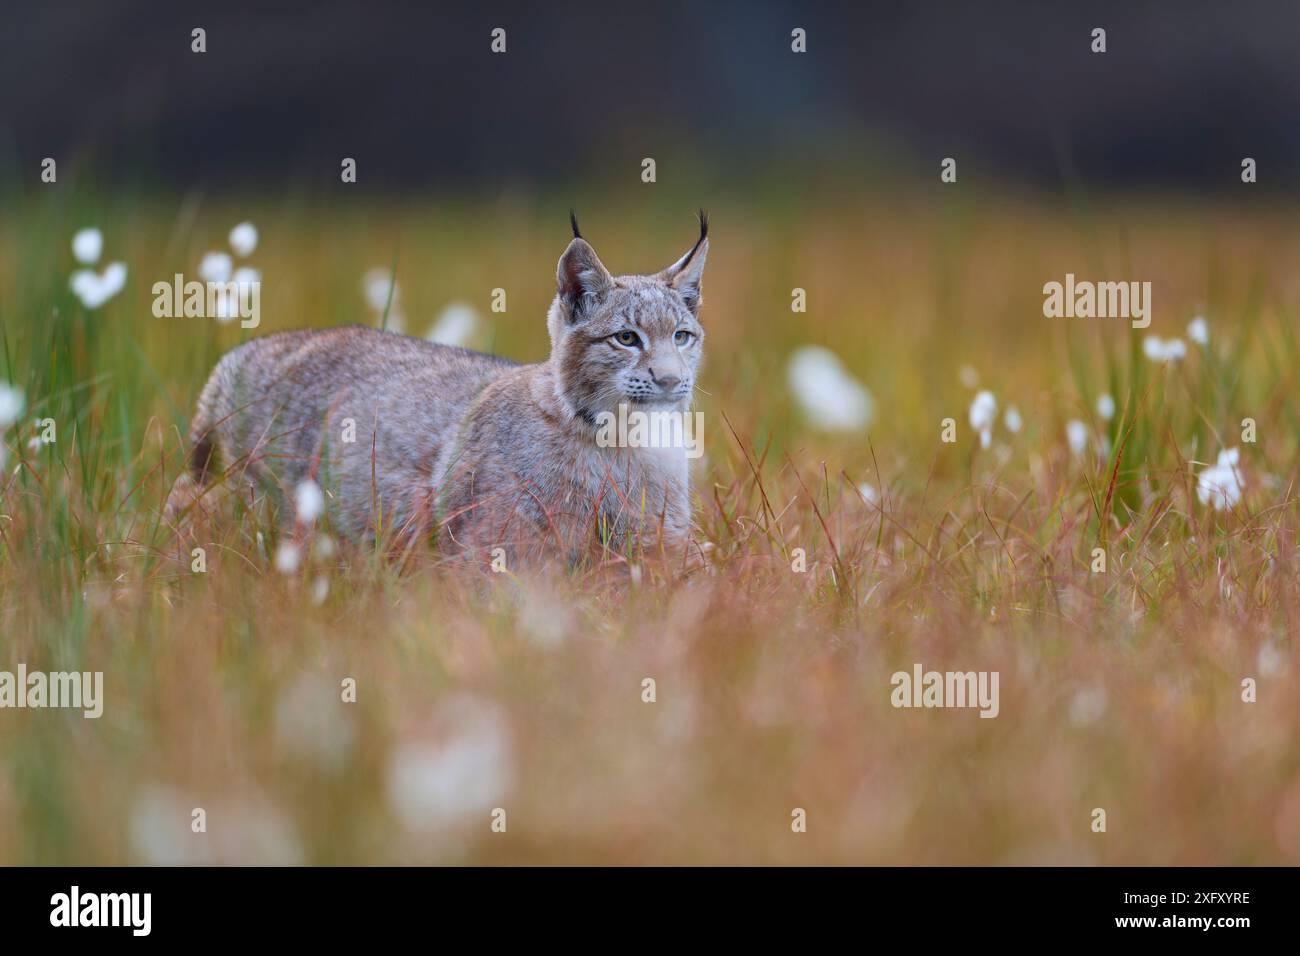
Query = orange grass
x=1119 y=690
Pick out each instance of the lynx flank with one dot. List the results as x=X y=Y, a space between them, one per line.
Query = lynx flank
x=410 y=438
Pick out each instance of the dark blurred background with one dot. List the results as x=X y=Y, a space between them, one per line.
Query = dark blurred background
x=412 y=91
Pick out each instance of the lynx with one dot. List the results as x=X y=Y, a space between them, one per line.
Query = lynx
x=411 y=438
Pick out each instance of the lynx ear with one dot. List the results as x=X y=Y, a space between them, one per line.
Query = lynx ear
x=581 y=279
x=684 y=275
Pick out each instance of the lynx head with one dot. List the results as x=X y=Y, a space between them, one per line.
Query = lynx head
x=626 y=339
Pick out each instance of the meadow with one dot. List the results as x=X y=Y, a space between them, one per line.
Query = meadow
x=827 y=558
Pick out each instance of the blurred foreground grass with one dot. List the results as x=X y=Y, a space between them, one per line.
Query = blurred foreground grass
x=1119 y=690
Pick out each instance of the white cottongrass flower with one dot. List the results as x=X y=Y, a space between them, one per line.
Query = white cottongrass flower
x=113 y=279
x=376 y=285
x=1198 y=330
x=1076 y=434
x=287 y=557
x=226 y=305
x=1220 y=485
x=87 y=245
x=91 y=287
x=1105 y=406
x=869 y=494
x=456 y=773
x=311 y=726
x=1087 y=706
x=1011 y=418
x=320 y=589
x=243 y=239
x=456 y=325
x=983 y=413
x=968 y=376
x=84 y=284
x=216 y=267
x=12 y=404
x=309 y=501
x=94 y=288
x=230 y=301
x=831 y=398
x=158 y=826
x=227 y=301
x=543 y=617
x=1269 y=660
x=251 y=833
x=1160 y=350
x=323 y=547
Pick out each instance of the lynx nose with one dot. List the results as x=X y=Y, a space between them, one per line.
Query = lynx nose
x=666 y=383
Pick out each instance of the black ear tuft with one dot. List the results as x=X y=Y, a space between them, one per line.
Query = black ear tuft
x=685 y=260
x=573 y=221
x=684 y=275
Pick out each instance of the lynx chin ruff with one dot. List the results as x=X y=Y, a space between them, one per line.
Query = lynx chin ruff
x=410 y=438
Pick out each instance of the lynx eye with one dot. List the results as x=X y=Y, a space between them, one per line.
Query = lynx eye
x=682 y=337
x=627 y=337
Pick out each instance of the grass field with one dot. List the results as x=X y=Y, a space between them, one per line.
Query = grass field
x=1120 y=690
